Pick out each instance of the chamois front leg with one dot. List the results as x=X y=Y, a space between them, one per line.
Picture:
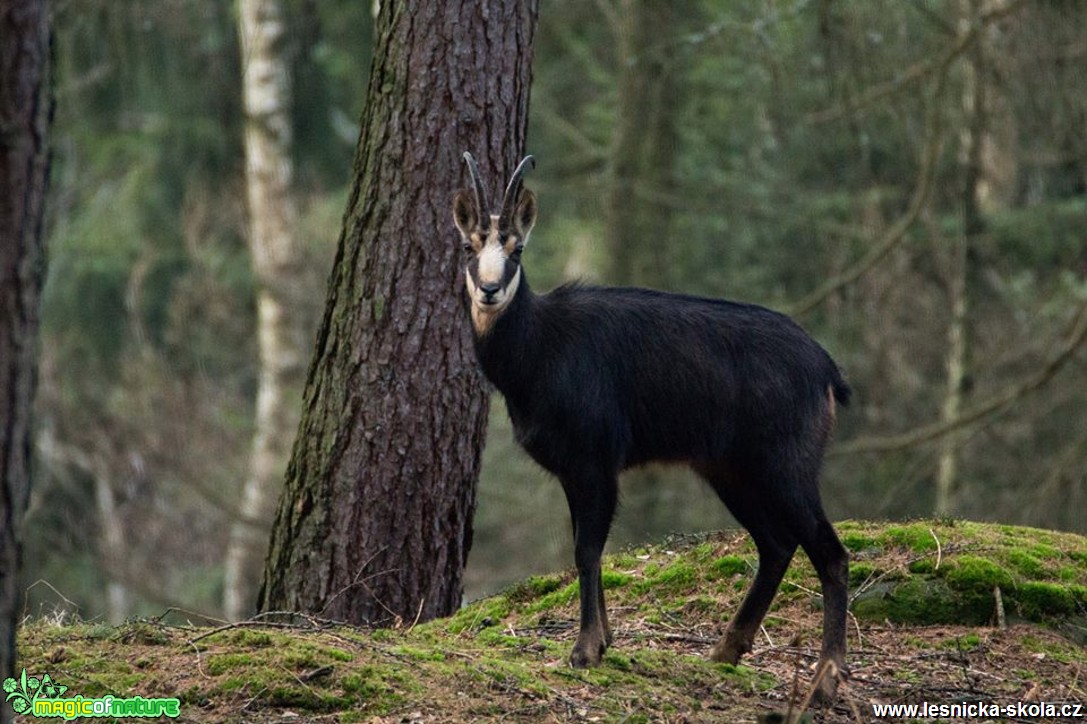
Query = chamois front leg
x=592 y=501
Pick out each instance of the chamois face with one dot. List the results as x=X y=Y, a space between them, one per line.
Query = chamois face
x=492 y=248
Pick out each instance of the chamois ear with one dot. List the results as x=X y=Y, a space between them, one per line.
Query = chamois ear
x=465 y=214
x=524 y=216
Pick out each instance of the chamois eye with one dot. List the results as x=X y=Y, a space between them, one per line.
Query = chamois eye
x=467 y=246
x=516 y=255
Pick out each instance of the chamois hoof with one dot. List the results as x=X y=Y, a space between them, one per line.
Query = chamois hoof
x=728 y=652
x=826 y=687
x=586 y=656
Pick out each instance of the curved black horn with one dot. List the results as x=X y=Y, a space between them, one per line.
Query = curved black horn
x=481 y=194
x=513 y=189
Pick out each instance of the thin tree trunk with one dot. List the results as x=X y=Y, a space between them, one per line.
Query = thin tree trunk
x=971 y=140
x=643 y=145
x=277 y=263
x=947 y=464
x=374 y=525
x=25 y=113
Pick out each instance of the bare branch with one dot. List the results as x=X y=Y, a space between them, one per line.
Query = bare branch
x=897 y=232
x=1074 y=340
x=916 y=72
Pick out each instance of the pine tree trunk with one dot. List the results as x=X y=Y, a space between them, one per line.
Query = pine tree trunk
x=374 y=525
x=25 y=114
x=277 y=263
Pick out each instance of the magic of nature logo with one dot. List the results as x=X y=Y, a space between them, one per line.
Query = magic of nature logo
x=44 y=697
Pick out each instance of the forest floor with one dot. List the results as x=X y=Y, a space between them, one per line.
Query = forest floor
x=943 y=612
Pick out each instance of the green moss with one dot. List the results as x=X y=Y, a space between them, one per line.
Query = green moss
x=625 y=561
x=923 y=566
x=962 y=643
x=1058 y=649
x=1037 y=600
x=917 y=537
x=338 y=654
x=488 y=612
x=1027 y=564
x=248 y=637
x=679 y=575
x=376 y=688
x=533 y=587
x=300 y=697
x=860 y=571
x=1045 y=552
x=916 y=601
x=1068 y=573
x=730 y=566
x=418 y=654
x=972 y=573
x=618 y=660
x=222 y=663
x=143 y=633
x=856 y=541
x=615 y=579
x=556 y=599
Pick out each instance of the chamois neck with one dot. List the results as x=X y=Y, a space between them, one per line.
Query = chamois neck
x=508 y=344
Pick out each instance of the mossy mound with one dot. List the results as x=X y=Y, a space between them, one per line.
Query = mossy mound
x=504 y=657
x=962 y=572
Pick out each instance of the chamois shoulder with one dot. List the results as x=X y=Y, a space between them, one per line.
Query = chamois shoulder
x=575 y=299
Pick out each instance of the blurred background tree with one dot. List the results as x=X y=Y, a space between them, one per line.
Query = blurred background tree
x=908 y=178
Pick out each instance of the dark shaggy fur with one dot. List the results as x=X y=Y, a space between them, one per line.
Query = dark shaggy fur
x=598 y=380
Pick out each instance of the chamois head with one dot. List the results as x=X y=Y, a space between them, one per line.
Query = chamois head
x=493 y=242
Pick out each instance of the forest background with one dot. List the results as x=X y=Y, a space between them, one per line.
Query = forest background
x=907 y=178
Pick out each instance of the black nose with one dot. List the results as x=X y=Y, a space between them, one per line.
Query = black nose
x=489 y=289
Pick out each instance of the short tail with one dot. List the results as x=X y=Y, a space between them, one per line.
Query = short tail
x=842 y=391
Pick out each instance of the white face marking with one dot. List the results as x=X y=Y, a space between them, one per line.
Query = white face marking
x=490 y=268
x=492 y=261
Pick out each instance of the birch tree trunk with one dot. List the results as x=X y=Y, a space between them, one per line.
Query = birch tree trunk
x=374 y=525
x=277 y=264
x=26 y=107
x=971 y=142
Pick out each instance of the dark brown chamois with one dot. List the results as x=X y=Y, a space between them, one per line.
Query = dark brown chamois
x=601 y=379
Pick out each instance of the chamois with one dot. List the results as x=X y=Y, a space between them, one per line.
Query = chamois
x=601 y=379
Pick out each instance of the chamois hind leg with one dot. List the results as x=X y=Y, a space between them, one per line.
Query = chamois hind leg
x=750 y=506
x=831 y=562
x=592 y=498
x=782 y=511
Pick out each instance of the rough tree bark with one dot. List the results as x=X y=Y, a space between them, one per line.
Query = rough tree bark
x=277 y=262
x=25 y=114
x=374 y=524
